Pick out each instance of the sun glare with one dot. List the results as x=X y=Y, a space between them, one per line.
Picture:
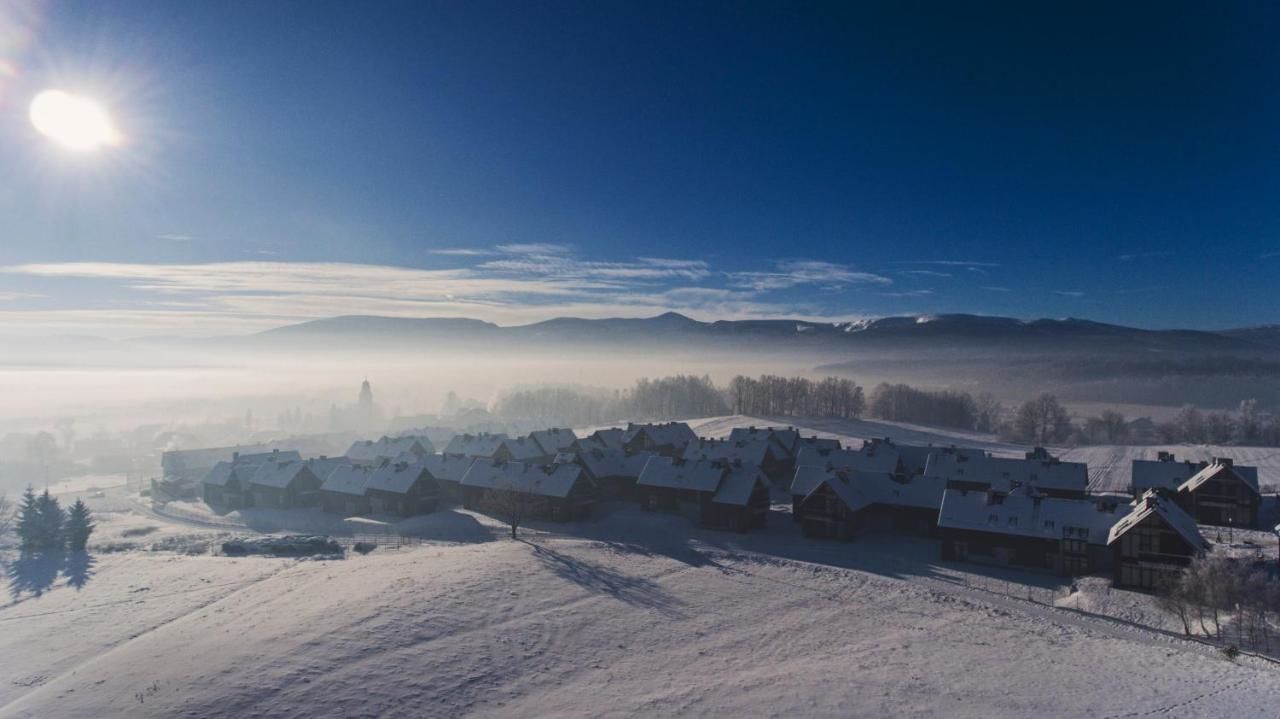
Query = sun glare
x=76 y=123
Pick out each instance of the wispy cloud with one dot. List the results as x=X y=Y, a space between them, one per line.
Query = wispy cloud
x=175 y=238
x=793 y=273
x=461 y=252
x=907 y=293
x=1268 y=255
x=994 y=288
x=925 y=273
x=1069 y=293
x=535 y=248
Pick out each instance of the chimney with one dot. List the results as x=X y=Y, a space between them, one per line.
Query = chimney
x=1224 y=461
x=1164 y=456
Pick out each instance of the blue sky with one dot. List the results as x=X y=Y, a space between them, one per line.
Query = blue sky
x=518 y=161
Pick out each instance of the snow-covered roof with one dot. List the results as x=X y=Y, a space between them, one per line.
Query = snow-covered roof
x=475 y=445
x=322 y=467
x=278 y=474
x=447 y=468
x=221 y=473
x=1218 y=469
x=602 y=463
x=611 y=438
x=524 y=449
x=821 y=444
x=878 y=458
x=669 y=434
x=784 y=438
x=678 y=474
x=548 y=480
x=1027 y=514
x=275 y=455
x=553 y=440
x=1152 y=503
x=1005 y=473
x=397 y=477
x=754 y=451
x=1162 y=473
x=859 y=489
x=347 y=479
x=388 y=448
x=739 y=482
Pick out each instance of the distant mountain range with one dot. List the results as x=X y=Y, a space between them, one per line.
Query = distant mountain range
x=951 y=332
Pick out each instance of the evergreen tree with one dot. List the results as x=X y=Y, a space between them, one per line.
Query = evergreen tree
x=52 y=518
x=29 y=524
x=79 y=526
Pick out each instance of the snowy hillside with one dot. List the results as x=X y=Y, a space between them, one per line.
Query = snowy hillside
x=635 y=615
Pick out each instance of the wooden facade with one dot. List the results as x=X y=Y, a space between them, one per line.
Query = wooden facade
x=1148 y=551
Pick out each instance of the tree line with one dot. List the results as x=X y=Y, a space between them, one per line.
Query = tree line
x=1041 y=420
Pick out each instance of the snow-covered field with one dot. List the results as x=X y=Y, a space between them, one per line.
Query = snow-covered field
x=629 y=614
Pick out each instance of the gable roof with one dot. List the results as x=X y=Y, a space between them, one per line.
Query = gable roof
x=700 y=476
x=738 y=485
x=475 y=445
x=388 y=448
x=1219 y=469
x=1006 y=473
x=601 y=463
x=322 y=467
x=1152 y=503
x=1161 y=473
x=669 y=434
x=447 y=468
x=754 y=451
x=554 y=439
x=876 y=459
x=611 y=438
x=859 y=489
x=784 y=438
x=278 y=474
x=1027 y=514
x=274 y=455
x=347 y=479
x=221 y=473
x=397 y=477
x=548 y=480
x=524 y=449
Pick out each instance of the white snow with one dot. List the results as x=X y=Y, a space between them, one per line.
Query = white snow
x=638 y=614
x=630 y=614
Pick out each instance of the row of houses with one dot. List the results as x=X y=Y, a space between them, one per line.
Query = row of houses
x=1033 y=512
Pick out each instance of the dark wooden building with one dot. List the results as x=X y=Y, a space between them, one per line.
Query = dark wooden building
x=402 y=488
x=284 y=485
x=559 y=492
x=845 y=502
x=667 y=439
x=448 y=471
x=1155 y=539
x=343 y=490
x=1027 y=530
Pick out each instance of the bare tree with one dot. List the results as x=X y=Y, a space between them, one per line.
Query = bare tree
x=508 y=503
x=1173 y=597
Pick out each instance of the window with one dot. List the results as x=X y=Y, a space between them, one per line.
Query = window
x=1013 y=521
x=1048 y=524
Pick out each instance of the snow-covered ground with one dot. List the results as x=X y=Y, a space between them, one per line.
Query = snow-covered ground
x=629 y=614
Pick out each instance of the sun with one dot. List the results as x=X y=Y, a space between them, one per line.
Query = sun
x=75 y=123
